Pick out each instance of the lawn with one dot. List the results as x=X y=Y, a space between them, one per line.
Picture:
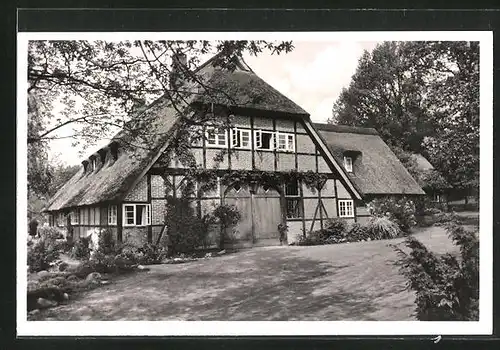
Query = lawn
x=355 y=281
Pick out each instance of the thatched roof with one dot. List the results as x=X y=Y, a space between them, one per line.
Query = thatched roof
x=376 y=169
x=243 y=88
x=115 y=178
x=426 y=175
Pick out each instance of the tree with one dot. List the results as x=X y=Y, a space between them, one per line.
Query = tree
x=97 y=86
x=385 y=94
x=422 y=97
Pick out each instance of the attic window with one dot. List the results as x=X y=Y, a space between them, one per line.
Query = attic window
x=113 y=147
x=348 y=164
x=85 y=164
x=93 y=161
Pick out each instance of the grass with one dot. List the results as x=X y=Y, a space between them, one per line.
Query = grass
x=354 y=281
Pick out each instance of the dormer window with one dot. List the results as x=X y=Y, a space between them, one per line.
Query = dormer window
x=85 y=164
x=348 y=164
x=94 y=164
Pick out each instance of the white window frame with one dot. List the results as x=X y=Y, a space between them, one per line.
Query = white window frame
x=346 y=208
x=134 y=206
x=348 y=164
x=236 y=137
x=295 y=198
x=258 y=140
x=289 y=142
x=112 y=215
x=74 y=218
x=216 y=134
x=61 y=219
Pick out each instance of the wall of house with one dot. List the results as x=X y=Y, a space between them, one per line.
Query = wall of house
x=318 y=206
x=165 y=178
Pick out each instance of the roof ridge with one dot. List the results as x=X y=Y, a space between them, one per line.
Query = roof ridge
x=346 y=129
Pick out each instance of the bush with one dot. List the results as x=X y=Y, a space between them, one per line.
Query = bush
x=335 y=231
x=151 y=254
x=106 y=242
x=186 y=231
x=41 y=254
x=382 y=228
x=227 y=216
x=50 y=232
x=401 y=210
x=447 y=288
x=358 y=232
x=81 y=249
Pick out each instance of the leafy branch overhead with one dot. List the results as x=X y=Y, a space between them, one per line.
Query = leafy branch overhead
x=90 y=91
x=97 y=85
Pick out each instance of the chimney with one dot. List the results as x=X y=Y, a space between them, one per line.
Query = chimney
x=179 y=65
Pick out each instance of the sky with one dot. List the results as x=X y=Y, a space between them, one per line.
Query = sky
x=312 y=75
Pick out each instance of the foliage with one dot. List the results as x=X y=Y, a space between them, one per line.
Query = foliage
x=399 y=209
x=186 y=231
x=422 y=97
x=151 y=254
x=227 y=216
x=382 y=228
x=335 y=231
x=283 y=230
x=60 y=175
x=103 y=85
x=41 y=254
x=50 y=232
x=359 y=232
x=106 y=242
x=81 y=248
x=273 y=179
x=447 y=287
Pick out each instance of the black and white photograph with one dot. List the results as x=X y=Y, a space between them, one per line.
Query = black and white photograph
x=330 y=178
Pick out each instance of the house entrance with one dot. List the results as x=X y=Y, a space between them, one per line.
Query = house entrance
x=260 y=215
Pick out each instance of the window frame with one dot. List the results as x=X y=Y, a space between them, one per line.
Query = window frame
x=348 y=165
x=216 y=134
x=61 y=219
x=111 y=215
x=258 y=140
x=237 y=133
x=135 y=205
x=346 y=202
x=295 y=198
x=74 y=217
x=289 y=139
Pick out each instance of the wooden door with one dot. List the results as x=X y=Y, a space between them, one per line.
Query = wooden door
x=260 y=216
x=266 y=216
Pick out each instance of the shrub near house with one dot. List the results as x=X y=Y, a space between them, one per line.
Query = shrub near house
x=447 y=286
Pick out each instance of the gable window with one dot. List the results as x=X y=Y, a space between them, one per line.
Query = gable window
x=216 y=137
x=293 y=201
x=264 y=140
x=136 y=214
x=346 y=208
x=348 y=164
x=286 y=142
x=240 y=138
x=73 y=217
x=112 y=215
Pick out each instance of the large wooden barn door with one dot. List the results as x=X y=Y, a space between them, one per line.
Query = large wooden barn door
x=266 y=216
x=260 y=216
